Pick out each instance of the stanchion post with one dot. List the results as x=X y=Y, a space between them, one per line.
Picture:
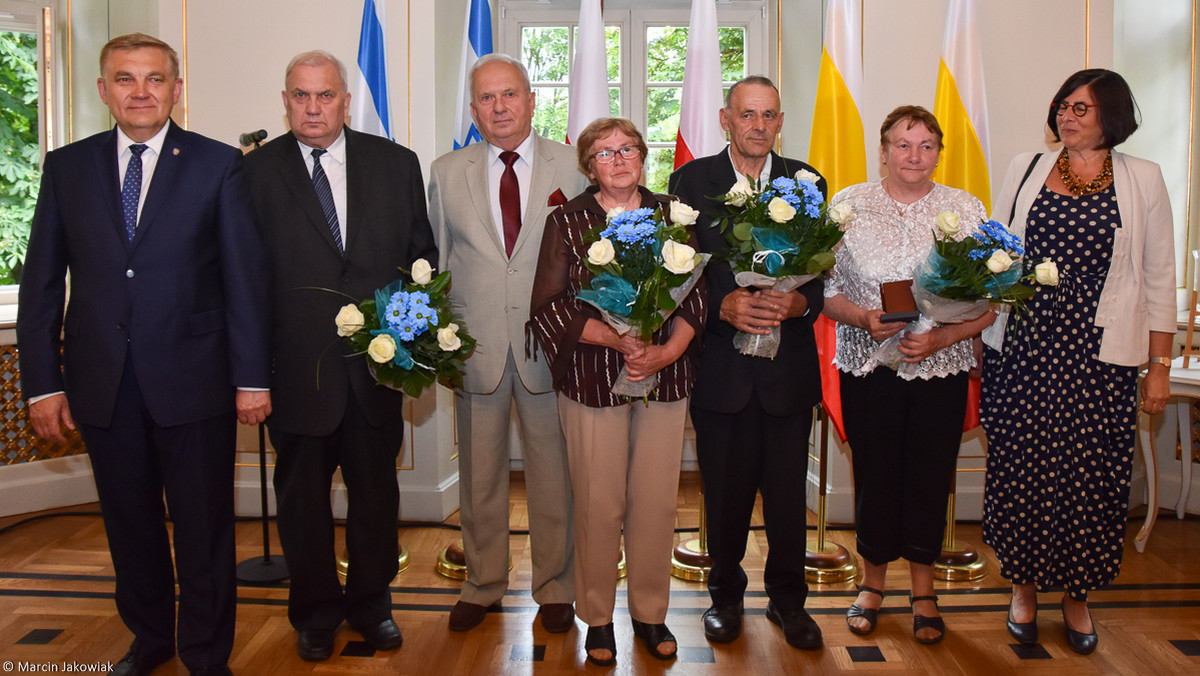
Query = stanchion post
x=958 y=562
x=826 y=562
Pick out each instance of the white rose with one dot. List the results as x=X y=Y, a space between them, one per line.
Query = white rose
x=947 y=223
x=999 y=262
x=1046 y=273
x=678 y=258
x=840 y=212
x=601 y=253
x=421 y=272
x=739 y=193
x=612 y=213
x=448 y=339
x=682 y=214
x=349 y=320
x=382 y=348
x=806 y=175
x=780 y=211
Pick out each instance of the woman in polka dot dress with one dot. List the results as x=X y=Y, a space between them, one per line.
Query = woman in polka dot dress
x=1060 y=382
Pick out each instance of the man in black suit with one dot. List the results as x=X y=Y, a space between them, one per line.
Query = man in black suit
x=339 y=212
x=167 y=317
x=752 y=415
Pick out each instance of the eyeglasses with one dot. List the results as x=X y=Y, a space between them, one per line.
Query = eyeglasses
x=1079 y=107
x=607 y=156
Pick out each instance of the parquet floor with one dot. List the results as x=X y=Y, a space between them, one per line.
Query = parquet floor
x=56 y=611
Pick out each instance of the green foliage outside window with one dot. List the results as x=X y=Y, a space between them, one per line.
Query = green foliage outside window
x=19 y=154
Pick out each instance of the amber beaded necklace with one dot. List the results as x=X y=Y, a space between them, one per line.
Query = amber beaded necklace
x=1076 y=184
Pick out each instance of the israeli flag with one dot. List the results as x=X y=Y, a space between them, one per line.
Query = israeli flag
x=369 y=110
x=476 y=42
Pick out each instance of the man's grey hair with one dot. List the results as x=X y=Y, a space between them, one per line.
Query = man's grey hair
x=505 y=58
x=753 y=79
x=317 y=57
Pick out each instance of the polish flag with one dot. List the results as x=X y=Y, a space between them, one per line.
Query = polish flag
x=588 y=97
x=700 y=133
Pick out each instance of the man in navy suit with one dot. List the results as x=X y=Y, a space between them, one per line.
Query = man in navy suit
x=752 y=415
x=164 y=338
x=339 y=212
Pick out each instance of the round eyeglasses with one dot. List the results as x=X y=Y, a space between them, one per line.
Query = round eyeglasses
x=1079 y=107
x=607 y=156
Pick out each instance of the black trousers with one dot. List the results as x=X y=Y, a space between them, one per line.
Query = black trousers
x=304 y=470
x=740 y=455
x=134 y=463
x=904 y=436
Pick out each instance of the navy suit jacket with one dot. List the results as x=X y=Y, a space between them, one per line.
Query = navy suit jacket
x=185 y=300
x=790 y=383
x=387 y=227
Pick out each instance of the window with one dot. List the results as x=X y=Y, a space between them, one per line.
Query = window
x=647 y=46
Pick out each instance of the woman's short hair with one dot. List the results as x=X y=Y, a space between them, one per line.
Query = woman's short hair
x=601 y=128
x=913 y=114
x=1114 y=103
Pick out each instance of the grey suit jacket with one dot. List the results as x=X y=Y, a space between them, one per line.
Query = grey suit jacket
x=491 y=288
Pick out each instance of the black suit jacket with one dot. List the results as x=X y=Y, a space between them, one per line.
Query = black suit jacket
x=387 y=227
x=791 y=382
x=186 y=299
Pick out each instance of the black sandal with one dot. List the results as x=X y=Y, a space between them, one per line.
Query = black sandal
x=654 y=635
x=922 y=622
x=871 y=615
x=601 y=638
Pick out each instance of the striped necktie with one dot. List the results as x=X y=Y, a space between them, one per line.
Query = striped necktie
x=325 y=195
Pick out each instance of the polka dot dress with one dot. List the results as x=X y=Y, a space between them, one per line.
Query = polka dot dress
x=1060 y=423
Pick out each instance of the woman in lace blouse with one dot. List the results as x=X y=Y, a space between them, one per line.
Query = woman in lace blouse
x=905 y=429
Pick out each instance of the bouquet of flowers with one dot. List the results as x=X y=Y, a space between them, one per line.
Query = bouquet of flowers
x=781 y=236
x=643 y=269
x=409 y=333
x=961 y=278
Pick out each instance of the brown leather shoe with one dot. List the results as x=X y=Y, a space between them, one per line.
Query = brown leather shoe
x=466 y=616
x=557 y=618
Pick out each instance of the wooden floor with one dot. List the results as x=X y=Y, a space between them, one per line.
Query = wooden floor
x=56 y=610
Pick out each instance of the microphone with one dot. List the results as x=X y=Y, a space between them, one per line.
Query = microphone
x=252 y=138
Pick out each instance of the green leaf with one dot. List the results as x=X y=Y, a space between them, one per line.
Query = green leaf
x=741 y=230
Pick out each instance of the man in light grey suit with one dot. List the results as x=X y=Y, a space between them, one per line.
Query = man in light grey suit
x=488 y=204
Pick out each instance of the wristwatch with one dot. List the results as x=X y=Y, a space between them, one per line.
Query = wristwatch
x=1165 y=361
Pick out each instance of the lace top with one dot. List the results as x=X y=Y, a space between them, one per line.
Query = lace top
x=885 y=242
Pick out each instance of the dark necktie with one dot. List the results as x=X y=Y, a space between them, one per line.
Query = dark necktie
x=510 y=201
x=131 y=189
x=325 y=195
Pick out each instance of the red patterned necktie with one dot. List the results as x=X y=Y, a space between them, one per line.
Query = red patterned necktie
x=510 y=201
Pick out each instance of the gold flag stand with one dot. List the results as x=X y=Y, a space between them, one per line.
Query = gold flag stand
x=343 y=562
x=958 y=562
x=690 y=560
x=826 y=562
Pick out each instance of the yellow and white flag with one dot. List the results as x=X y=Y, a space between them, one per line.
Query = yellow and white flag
x=837 y=148
x=961 y=106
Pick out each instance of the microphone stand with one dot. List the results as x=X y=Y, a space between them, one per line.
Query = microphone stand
x=262 y=569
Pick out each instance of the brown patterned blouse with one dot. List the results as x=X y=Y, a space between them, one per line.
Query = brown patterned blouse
x=582 y=371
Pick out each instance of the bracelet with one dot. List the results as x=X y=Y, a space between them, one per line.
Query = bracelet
x=1165 y=361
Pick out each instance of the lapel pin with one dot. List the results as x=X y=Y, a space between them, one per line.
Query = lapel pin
x=175 y=151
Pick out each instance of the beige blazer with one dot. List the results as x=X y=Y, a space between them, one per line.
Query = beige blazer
x=1139 y=292
x=492 y=289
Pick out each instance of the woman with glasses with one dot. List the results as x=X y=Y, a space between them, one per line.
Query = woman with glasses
x=1060 y=382
x=623 y=455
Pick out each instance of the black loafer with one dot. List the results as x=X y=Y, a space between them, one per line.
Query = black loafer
x=382 y=636
x=315 y=645
x=1084 y=644
x=141 y=664
x=799 y=628
x=601 y=638
x=654 y=635
x=1023 y=632
x=723 y=624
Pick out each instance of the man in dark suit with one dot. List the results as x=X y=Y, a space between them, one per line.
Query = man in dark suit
x=752 y=415
x=339 y=212
x=167 y=316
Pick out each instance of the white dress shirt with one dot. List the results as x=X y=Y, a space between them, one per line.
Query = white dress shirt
x=524 y=169
x=333 y=161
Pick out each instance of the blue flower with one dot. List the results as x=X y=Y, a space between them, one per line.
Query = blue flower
x=406 y=331
x=418 y=299
x=421 y=316
x=784 y=185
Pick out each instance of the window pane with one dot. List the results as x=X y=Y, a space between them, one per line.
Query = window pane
x=550 y=114
x=612 y=45
x=659 y=165
x=614 y=101
x=666 y=49
x=662 y=113
x=733 y=52
x=544 y=52
x=19 y=153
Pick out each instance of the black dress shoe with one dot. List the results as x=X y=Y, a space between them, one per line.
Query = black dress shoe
x=466 y=616
x=315 y=645
x=723 y=624
x=141 y=664
x=799 y=629
x=382 y=636
x=601 y=638
x=557 y=618
x=217 y=670
x=1084 y=644
x=1023 y=632
x=654 y=635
